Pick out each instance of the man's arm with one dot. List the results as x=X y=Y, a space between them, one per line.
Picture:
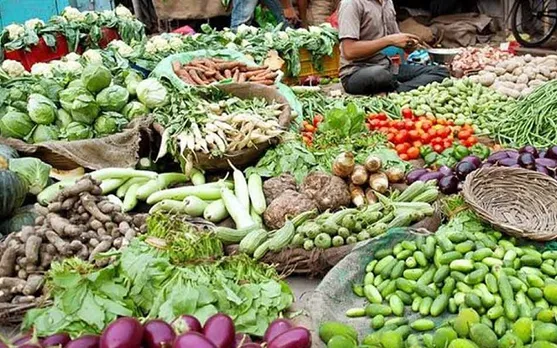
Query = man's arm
x=360 y=49
x=303 y=11
x=288 y=10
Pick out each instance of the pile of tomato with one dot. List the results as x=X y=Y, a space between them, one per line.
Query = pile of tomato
x=412 y=132
x=309 y=129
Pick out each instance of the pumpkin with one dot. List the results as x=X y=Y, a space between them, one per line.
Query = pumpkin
x=24 y=216
x=12 y=193
x=6 y=154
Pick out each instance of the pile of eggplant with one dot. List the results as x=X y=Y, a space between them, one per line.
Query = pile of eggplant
x=185 y=332
x=449 y=179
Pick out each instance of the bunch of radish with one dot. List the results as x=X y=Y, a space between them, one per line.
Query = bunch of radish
x=185 y=332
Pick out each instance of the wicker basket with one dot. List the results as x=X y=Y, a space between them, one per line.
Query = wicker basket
x=519 y=202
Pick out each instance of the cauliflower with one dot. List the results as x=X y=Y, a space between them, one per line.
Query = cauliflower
x=229 y=36
x=269 y=38
x=93 y=56
x=91 y=14
x=243 y=29
x=71 y=67
x=42 y=69
x=73 y=14
x=122 y=11
x=231 y=46
x=123 y=48
x=315 y=30
x=150 y=47
x=282 y=35
x=175 y=43
x=14 y=31
x=33 y=23
x=72 y=57
x=245 y=43
x=58 y=20
x=13 y=68
x=161 y=44
x=108 y=15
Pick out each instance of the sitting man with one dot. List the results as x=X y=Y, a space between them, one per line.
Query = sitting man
x=365 y=28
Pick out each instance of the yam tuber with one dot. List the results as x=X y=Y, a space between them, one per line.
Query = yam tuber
x=61 y=245
x=62 y=226
x=33 y=284
x=101 y=248
x=89 y=204
x=23 y=299
x=32 y=247
x=7 y=262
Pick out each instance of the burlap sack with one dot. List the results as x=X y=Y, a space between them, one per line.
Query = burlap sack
x=412 y=27
x=187 y=9
x=118 y=150
x=460 y=30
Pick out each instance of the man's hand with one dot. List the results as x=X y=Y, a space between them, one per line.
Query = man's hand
x=290 y=14
x=403 y=40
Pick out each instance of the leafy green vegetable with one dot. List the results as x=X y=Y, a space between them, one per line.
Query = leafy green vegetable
x=109 y=123
x=33 y=171
x=134 y=109
x=344 y=121
x=44 y=133
x=85 y=109
x=41 y=109
x=15 y=124
x=63 y=118
x=113 y=98
x=96 y=77
x=68 y=95
x=77 y=131
x=152 y=93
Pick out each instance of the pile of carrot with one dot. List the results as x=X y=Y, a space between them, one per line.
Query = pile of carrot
x=208 y=70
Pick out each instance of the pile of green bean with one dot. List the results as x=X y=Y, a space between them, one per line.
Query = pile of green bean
x=532 y=120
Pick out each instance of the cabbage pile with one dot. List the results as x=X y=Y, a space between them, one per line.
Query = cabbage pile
x=97 y=104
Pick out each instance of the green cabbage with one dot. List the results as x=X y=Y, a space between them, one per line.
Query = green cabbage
x=85 y=109
x=134 y=109
x=41 y=109
x=77 y=131
x=96 y=77
x=33 y=171
x=131 y=81
x=113 y=98
x=63 y=118
x=44 y=133
x=17 y=94
x=19 y=105
x=152 y=93
x=109 y=123
x=68 y=95
x=15 y=124
x=75 y=83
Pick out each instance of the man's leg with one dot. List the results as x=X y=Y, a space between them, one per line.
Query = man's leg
x=370 y=80
x=412 y=76
x=242 y=12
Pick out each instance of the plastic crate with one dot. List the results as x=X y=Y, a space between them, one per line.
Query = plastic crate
x=331 y=65
x=40 y=53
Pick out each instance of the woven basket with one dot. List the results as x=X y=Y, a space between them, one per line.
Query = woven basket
x=516 y=201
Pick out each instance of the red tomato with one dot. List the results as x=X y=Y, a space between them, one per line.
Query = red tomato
x=432 y=132
x=382 y=116
x=413 y=153
x=399 y=138
x=425 y=138
x=407 y=113
x=436 y=141
x=414 y=135
x=441 y=121
x=472 y=141
x=402 y=148
x=384 y=130
x=369 y=126
x=446 y=132
x=399 y=124
x=317 y=119
x=408 y=125
x=438 y=148
x=447 y=143
x=375 y=123
x=464 y=134
x=383 y=123
x=390 y=137
x=417 y=144
x=403 y=156
x=309 y=128
x=426 y=125
x=372 y=116
x=450 y=123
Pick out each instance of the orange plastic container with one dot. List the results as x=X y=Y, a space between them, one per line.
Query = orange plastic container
x=330 y=65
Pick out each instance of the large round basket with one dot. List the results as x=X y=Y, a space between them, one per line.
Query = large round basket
x=516 y=201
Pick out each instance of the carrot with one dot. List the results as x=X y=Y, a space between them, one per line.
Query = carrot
x=242 y=77
x=218 y=60
x=176 y=66
x=254 y=68
x=195 y=77
x=229 y=65
x=254 y=72
x=265 y=82
x=268 y=76
x=227 y=73
x=186 y=77
x=210 y=72
x=196 y=68
x=219 y=76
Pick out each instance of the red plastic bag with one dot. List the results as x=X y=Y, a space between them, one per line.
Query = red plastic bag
x=40 y=53
x=185 y=30
x=333 y=19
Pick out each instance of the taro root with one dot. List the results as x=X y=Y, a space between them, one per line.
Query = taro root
x=274 y=187
x=288 y=205
x=328 y=191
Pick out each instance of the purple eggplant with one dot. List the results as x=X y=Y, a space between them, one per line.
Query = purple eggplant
x=552 y=152
x=507 y=162
x=542 y=169
x=192 y=339
x=56 y=340
x=186 y=323
x=462 y=169
x=297 y=337
x=529 y=149
x=415 y=175
x=431 y=176
x=158 y=334
x=449 y=184
x=487 y=165
x=122 y=333
x=219 y=329
x=542 y=154
x=475 y=160
x=497 y=156
x=276 y=328
x=546 y=162
x=445 y=170
x=87 y=341
x=527 y=160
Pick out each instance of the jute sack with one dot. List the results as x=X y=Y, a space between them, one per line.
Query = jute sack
x=117 y=150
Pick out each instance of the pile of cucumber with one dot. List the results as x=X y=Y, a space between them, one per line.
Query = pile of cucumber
x=505 y=295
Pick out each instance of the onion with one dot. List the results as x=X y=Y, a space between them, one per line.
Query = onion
x=379 y=182
x=158 y=334
x=357 y=195
x=372 y=163
x=359 y=175
x=344 y=165
x=395 y=174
